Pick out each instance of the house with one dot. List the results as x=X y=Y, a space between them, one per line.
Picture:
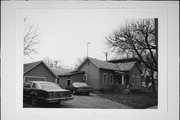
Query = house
x=67 y=76
x=39 y=71
x=114 y=75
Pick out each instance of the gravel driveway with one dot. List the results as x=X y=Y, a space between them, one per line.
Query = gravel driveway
x=83 y=101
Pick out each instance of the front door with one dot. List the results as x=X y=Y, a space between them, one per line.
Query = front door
x=68 y=82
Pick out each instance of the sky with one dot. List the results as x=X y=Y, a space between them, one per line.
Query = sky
x=64 y=33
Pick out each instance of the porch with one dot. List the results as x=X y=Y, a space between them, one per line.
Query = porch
x=121 y=82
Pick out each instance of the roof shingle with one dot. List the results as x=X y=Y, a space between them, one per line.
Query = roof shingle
x=28 y=66
x=124 y=66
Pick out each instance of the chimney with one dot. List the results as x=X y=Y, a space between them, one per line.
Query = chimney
x=106 y=54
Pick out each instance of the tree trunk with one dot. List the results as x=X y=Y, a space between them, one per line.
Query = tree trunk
x=152 y=81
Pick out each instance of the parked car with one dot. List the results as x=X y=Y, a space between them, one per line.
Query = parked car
x=45 y=92
x=79 y=87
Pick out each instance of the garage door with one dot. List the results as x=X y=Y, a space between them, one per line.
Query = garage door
x=34 y=78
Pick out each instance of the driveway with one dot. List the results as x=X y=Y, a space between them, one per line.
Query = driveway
x=82 y=101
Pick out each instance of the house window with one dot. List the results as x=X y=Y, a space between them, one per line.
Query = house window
x=133 y=79
x=138 y=80
x=111 y=79
x=116 y=80
x=105 y=78
x=34 y=85
x=57 y=80
x=85 y=77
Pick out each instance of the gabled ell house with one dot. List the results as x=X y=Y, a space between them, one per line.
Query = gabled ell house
x=39 y=71
x=115 y=75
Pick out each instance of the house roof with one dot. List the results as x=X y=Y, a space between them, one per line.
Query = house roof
x=61 y=71
x=124 y=66
x=103 y=64
x=123 y=60
x=30 y=66
x=73 y=73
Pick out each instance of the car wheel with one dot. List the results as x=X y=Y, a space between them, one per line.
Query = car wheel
x=34 y=101
x=87 y=93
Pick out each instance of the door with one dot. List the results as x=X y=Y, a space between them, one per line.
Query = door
x=68 y=82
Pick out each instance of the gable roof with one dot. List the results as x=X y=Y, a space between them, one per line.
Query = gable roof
x=72 y=73
x=103 y=64
x=124 y=60
x=124 y=66
x=61 y=71
x=30 y=66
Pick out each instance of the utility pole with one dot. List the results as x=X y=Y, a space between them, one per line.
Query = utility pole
x=87 y=47
x=106 y=54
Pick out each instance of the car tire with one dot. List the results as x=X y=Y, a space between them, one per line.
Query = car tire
x=34 y=101
x=87 y=93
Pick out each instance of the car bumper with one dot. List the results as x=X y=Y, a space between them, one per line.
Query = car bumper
x=54 y=100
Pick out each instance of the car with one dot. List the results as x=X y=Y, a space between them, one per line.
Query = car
x=38 y=92
x=80 y=87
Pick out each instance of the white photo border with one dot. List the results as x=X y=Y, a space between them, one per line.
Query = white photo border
x=12 y=61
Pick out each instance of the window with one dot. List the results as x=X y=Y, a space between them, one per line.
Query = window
x=85 y=77
x=34 y=85
x=133 y=79
x=27 y=85
x=111 y=79
x=116 y=80
x=57 y=81
x=120 y=79
x=105 y=78
x=138 y=80
x=68 y=80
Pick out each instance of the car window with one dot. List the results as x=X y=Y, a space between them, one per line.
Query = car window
x=49 y=86
x=34 y=85
x=27 y=85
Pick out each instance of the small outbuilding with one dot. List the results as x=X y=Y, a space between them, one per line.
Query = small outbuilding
x=67 y=76
x=39 y=71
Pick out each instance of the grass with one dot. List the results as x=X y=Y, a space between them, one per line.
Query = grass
x=134 y=100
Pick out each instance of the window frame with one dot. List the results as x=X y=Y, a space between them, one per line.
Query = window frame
x=111 y=79
x=85 y=77
x=105 y=80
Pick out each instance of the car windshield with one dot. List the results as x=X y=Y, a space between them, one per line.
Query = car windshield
x=79 y=84
x=49 y=86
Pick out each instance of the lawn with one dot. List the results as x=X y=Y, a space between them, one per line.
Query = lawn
x=134 y=100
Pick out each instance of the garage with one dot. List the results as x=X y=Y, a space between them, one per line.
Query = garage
x=38 y=71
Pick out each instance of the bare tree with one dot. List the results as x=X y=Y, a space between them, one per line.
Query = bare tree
x=53 y=63
x=137 y=38
x=31 y=38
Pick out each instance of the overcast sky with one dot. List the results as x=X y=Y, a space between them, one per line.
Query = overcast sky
x=65 y=32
